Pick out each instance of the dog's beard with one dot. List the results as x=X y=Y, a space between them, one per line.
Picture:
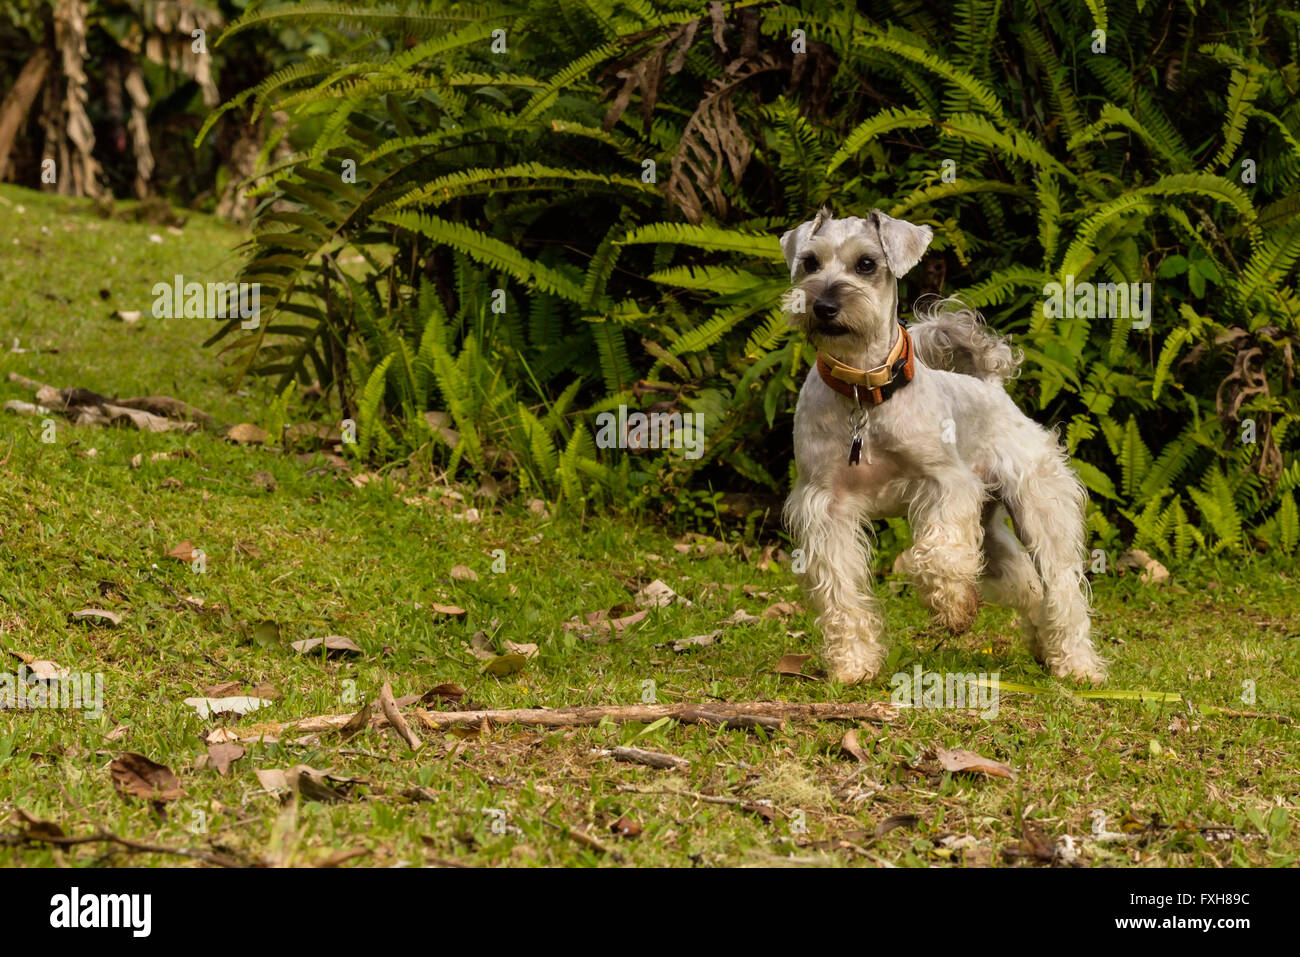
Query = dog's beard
x=861 y=328
x=855 y=323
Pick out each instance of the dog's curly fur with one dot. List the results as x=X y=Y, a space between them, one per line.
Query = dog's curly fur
x=948 y=335
x=950 y=451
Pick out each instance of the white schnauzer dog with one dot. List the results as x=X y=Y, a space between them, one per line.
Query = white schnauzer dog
x=917 y=422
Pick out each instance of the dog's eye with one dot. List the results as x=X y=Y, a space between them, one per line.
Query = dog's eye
x=810 y=264
x=865 y=266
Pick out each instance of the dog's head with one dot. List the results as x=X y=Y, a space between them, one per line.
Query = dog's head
x=845 y=275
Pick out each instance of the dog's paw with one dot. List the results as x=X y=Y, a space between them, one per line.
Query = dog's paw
x=847 y=673
x=955 y=607
x=1082 y=673
x=854 y=663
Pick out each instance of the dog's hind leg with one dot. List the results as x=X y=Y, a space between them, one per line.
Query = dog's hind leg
x=1009 y=576
x=945 y=559
x=1046 y=502
x=837 y=579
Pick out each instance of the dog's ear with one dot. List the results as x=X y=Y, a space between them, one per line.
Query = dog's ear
x=903 y=242
x=794 y=239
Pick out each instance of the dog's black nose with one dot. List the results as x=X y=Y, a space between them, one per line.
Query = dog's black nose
x=826 y=309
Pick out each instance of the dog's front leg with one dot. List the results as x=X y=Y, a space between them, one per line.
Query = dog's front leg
x=945 y=560
x=837 y=579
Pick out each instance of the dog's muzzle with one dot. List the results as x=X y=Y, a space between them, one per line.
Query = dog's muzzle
x=825 y=311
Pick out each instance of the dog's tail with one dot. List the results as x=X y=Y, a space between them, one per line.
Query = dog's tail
x=948 y=335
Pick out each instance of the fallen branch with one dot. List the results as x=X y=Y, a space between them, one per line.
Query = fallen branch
x=30 y=384
x=103 y=837
x=1230 y=713
x=693 y=795
x=768 y=714
x=585 y=839
x=698 y=716
x=653 y=759
x=389 y=707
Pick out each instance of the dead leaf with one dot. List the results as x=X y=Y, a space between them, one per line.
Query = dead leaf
x=463 y=573
x=601 y=625
x=626 y=827
x=357 y=723
x=207 y=707
x=245 y=433
x=893 y=821
x=503 y=665
x=43 y=670
x=481 y=646
x=527 y=649
x=264 y=479
x=961 y=760
x=222 y=690
x=741 y=617
x=443 y=694
x=222 y=755
x=454 y=610
x=1152 y=572
x=695 y=641
x=781 y=609
x=265 y=633
x=134 y=775
x=334 y=644
x=314 y=785
x=142 y=420
x=440 y=422
x=657 y=594
x=184 y=552
x=792 y=665
x=273 y=779
x=850 y=744
x=97 y=614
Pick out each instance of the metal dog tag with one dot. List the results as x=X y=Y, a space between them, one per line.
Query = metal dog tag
x=857 y=419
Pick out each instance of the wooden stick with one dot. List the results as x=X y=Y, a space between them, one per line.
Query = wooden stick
x=699 y=716
x=395 y=718
x=654 y=759
x=26 y=383
x=1230 y=713
x=582 y=837
x=762 y=713
x=219 y=860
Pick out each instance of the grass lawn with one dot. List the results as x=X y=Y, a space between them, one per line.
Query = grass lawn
x=295 y=550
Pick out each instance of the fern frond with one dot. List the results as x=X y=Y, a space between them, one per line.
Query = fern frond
x=1242 y=91
x=485 y=249
x=714 y=238
x=896 y=118
x=896 y=44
